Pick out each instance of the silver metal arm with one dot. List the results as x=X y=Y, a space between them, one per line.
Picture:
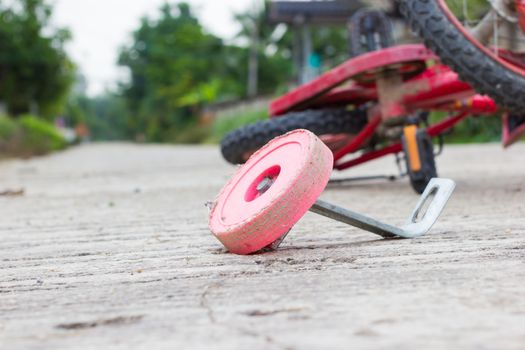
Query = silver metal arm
x=439 y=189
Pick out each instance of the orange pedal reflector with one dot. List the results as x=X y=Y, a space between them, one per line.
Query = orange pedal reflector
x=414 y=160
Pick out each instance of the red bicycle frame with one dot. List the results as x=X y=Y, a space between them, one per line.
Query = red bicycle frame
x=399 y=81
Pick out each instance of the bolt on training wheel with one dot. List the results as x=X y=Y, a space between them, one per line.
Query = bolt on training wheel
x=271 y=192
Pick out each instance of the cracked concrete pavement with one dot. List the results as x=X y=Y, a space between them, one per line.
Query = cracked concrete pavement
x=108 y=247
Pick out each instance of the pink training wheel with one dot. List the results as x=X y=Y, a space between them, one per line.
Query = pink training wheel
x=271 y=192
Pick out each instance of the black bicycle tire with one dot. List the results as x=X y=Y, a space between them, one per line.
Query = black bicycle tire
x=484 y=73
x=321 y=122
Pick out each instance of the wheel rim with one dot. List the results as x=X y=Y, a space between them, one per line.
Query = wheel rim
x=506 y=43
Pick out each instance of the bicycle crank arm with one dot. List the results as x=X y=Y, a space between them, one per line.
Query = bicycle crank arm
x=439 y=189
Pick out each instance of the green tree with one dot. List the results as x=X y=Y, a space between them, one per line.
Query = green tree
x=175 y=67
x=35 y=72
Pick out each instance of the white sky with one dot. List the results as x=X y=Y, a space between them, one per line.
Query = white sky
x=100 y=27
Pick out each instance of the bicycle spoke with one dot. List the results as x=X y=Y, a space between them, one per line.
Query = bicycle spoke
x=492 y=29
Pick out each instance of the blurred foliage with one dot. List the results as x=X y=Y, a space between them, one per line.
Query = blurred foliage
x=28 y=136
x=105 y=116
x=470 y=10
x=196 y=133
x=39 y=136
x=35 y=76
x=177 y=67
x=472 y=129
x=477 y=129
x=8 y=128
x=35 y=72
x=222 y=126
x=193 y=134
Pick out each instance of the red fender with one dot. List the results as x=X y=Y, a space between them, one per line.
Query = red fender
x=520 y=8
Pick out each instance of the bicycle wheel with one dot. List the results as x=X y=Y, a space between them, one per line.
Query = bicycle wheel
x=485 y=45
x=333 y=126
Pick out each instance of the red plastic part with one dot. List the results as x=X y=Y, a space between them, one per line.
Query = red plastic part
x=246 y=219
x=520 y=8
x=361 y=138
x=370 y=62
x=433 y=131
x=437 y=88
x=510 y=137
x=353 y=93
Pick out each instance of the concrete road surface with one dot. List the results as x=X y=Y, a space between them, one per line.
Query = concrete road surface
x=108 y=248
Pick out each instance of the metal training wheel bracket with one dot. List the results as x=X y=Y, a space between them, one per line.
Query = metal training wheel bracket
x=439 y=189
x=283 y=180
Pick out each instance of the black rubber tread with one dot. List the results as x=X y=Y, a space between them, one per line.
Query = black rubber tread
x=320 y=122
x=484 y=73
